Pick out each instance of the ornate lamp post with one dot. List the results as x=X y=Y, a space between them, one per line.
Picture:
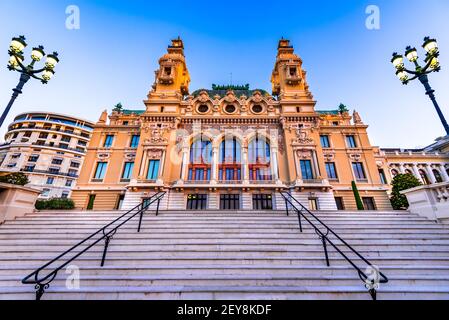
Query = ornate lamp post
x=27 y=72
x=432 y=65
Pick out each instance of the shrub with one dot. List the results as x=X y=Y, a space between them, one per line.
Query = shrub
x=400 y=183
x=18 y=179
x=55 y=204
x=358 y=200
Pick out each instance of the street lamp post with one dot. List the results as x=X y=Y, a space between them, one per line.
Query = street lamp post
x=27 y=72
x=420 y=73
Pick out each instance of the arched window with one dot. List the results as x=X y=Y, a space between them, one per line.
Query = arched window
x=200 y=160
x=437 y=175
x=424 y=176
x=407 y=171
x=230 y=160
x=259 y=159
x=394 y=172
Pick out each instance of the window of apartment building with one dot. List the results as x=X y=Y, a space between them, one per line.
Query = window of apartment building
x=69 y=130
x=306 y=169
x=437 y=176
x=73 y=173
x=153 y=169
x=69 y=183
x=27 y=134
x=313 y=204
x=197 y=202
x=47 y=127
x=29 y=168
x=108 y=141
x=230 y=202
x=63 y=146
x=66 y=139
x=11 y=165
x=382 y=176
x=262 y=202
x=65 y=195
x=127 y=171
x=100 y=171
x=368 y=203
x=15 y=135
x=33 y=158
x=359 y=172
x=50 y=180
x=350 y=142
x=82 y=143
x=340 y=204
x=135 y=141
x=57 y=161
x=43 y=135
x=53 y=170
x=331 y=171
x=74 y=164
x=125 y=123
x=40 y=142
x=325 y=143
x=45 y=193
x=15 y=156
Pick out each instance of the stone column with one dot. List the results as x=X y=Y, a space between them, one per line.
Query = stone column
x=214 y=164
x=444 y=174
x=298 y=169
x=402 y=169
x=245 y=165
x=161 y=168
x=416 y=172
x=185 y=164
x=430 y=174
x=316 y=165
x=274 y=163
x=143 y=165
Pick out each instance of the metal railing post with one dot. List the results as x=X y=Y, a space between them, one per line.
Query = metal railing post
x=158 y=203
x=286 y=206
x=140 y=218
x=325 y=250
x=106 y=245
x=299 y=220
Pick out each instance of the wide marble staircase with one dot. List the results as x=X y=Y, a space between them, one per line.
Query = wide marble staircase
x=232 y=255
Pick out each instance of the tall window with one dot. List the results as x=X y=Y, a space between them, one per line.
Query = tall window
x=331 y=171
x=230 y=167
x=50 y=180
x=359 y=172
x=424 y=176
x=153 y=169
x=306 y=170
x=200 y=160
x=437 y=175
x=259 y=159
x=108 y=141
x=100 y=170
x=135 y=141
x=325 y=141
x=350 y=141
x=127 y=170
x=382 y=176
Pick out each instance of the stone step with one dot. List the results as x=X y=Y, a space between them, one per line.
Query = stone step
x=233 y=292
x=229 y=280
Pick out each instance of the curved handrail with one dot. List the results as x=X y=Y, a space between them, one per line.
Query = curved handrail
x=42 y=283
x=325 y=238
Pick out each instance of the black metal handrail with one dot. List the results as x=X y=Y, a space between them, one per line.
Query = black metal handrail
x=43 y=283
x=372 y=281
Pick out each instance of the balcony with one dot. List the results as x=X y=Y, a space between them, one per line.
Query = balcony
x=54 y=173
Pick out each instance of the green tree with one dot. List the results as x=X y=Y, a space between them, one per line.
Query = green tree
x=18 y=178
x=118 y=107
x=400 y=183
x=358 y=200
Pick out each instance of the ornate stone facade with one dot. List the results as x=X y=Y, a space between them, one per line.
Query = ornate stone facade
x=232 y=143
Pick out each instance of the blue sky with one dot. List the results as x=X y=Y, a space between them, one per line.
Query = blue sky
x=112 y=57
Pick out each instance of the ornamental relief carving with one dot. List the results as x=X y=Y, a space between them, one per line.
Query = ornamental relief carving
x=302 y=137
x=130 y=156
x=156 y=133
x=304 y=154
x=329 y=157
x=103 y=155
x=355 y=156
x=154 y=154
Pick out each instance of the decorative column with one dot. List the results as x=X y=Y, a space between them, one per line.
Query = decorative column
x=185 y=163
x=161 y=167
x=214 y=165
x=416 y=172
x=274 y=163
x=316 y=165
x=245 y=164
x=401 y=169
x=298 y=169
x=443 y=171
x=430 y=174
